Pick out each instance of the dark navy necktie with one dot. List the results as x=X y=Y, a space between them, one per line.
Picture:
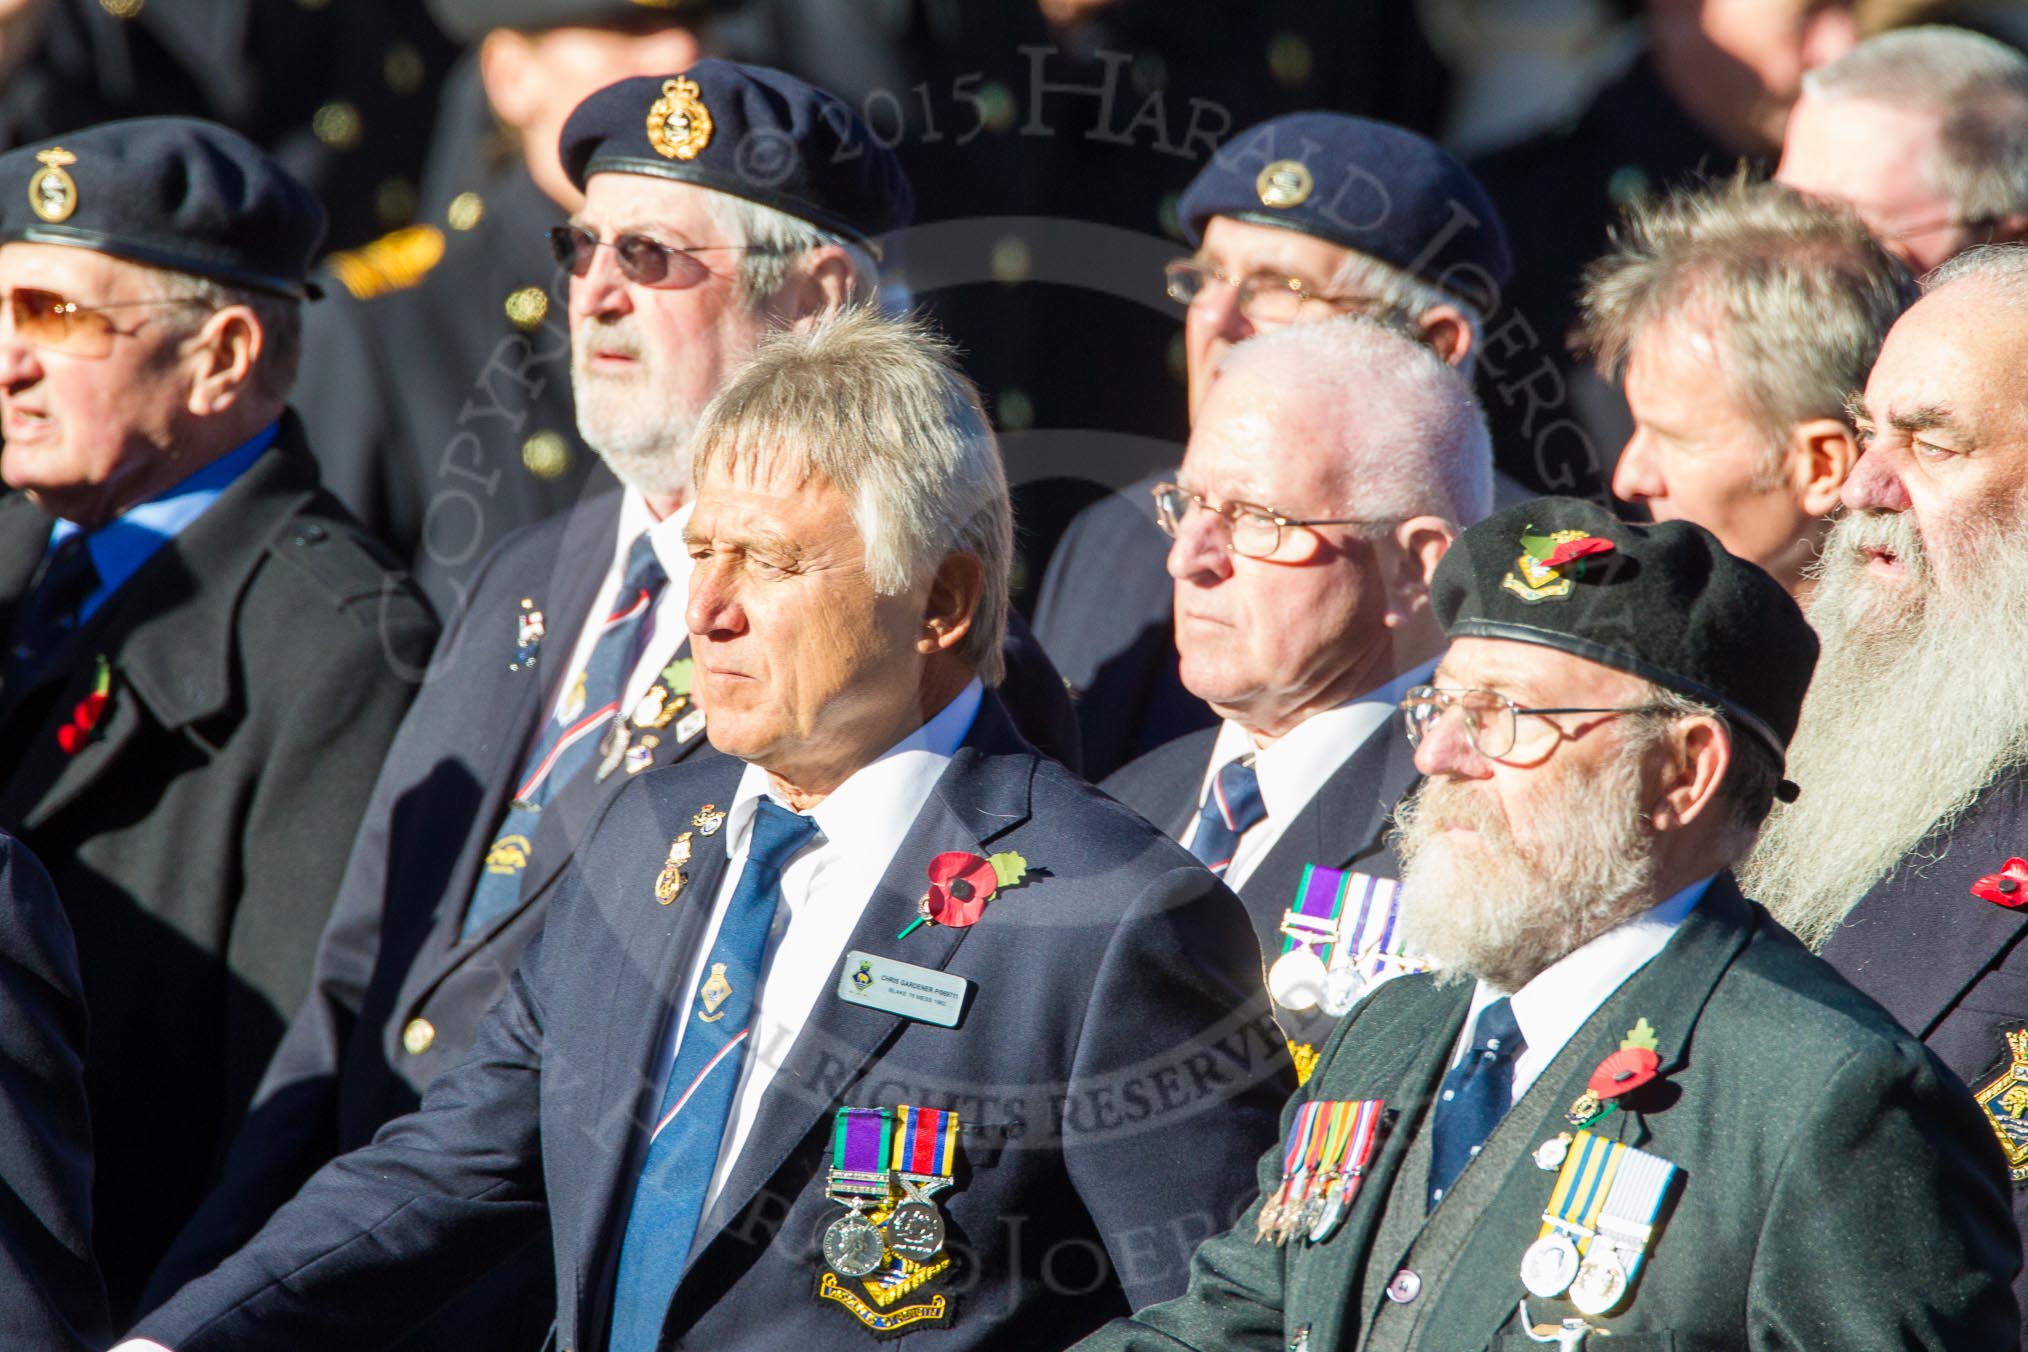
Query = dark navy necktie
x=53 y=608
x=683 y=1150
x=1231 y=809
x=1475 y=1096
x=568 y=745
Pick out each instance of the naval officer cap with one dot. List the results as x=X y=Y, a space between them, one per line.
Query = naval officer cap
x=1364 y=185
x=748 y=131
x=1664 y=602
x=170 y=192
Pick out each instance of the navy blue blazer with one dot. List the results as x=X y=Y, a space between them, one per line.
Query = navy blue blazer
x=398 y=993
x=1343 y=826
x=51 y=1295
x=1115 y=1070
x=1949 y=966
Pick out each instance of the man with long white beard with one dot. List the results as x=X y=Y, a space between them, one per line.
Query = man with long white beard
x=1900 y=862
x=1629 y=1103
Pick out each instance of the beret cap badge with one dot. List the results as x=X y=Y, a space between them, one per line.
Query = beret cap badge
x=52 y=192
x=1550 y=564
x=1284 y=184
x=679 y=125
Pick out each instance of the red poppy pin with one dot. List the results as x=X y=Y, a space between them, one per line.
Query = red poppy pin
x=2008 y=887
x=85 y=715
x=1570 y=551
x=961 y=884
x=1635 y=1063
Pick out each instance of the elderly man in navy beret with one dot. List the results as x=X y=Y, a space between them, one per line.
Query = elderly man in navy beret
x=1629 y=1109
x=1295 y=220
x=719 y=203
x=206 y=655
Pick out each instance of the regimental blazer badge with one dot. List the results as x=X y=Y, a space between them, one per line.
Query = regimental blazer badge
x=884 y=1260
x=2006 y=1103
x=1549 y=565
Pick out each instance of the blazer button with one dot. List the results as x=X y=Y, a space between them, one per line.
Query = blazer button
x=1405 y=1287
x=420 y=1033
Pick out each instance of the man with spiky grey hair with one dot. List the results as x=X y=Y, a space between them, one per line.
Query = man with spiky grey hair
x=1900 y=860
x=1924 y=131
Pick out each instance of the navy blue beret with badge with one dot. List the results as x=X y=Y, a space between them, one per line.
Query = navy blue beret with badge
x=1665 y=602
x=748 y=131
x=1364 y=185
x=170 y=192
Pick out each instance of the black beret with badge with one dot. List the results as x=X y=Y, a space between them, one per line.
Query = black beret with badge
x=748 y=131
x=1664 y=602
x=170 y=192
x=1365 y=185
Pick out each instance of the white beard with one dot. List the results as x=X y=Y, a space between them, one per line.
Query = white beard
x=1503 y=909
x=1917 y=703
x=637 y=427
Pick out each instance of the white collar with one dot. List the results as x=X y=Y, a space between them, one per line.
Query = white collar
x=666 y=535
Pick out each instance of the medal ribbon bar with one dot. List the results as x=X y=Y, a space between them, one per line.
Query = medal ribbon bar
x=925 y=1143
x=1581 y=1186
x=1313 y=920
x=861 y=1142
x=1627 y=1219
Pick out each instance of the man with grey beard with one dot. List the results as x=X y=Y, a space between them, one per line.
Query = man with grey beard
x=1628 y=1103
x=1900 y=862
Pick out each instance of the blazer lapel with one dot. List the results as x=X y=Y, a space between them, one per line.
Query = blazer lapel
x=983 y=794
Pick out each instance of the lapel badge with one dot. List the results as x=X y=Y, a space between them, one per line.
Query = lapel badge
x=2008 y=887
x=961 y=884
x=528 y=631
x=1284 y=184
x=648 y=713
x=1549 y=565
x=669 y=882
x=2005 y=1101
x=679 y=125
x=1635 y=1063
x=708 y=819
x=690 y=725
x=508 y=855
x=641 y=754
x=52 y=192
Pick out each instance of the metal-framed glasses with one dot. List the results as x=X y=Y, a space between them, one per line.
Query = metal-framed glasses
x=1264 y=297
x=1256 y=532
x=54 y=322
x=1492 y=721
x=642 y=259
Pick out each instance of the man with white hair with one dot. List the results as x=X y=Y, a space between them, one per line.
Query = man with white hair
x=1900 y=861
x=1924 y=131
x=1329 y=469
x=881 y=1023
x=1740 y=316
x=568 y=670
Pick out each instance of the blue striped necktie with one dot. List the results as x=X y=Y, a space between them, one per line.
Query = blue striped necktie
x=1231 y=809
x=568 y=745
x=1475 y=1096
x=697 y=1102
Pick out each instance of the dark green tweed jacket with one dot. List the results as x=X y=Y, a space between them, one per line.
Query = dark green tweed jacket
x=1841 y=1189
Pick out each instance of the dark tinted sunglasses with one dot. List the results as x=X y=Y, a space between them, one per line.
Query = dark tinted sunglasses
x=646 y=261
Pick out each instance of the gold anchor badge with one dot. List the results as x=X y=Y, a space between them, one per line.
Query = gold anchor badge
x=717 y=990
x=509 y=855
x=669 y=882
x=679 y=125
x=52 y=192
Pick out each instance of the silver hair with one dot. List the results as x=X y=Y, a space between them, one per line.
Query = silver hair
x=877 y=406
x=281 y=322
x=1979 y=86
x=1411 y=429
x=1798 y=295
x=775 y=240
x=1402 y=298
x=2002 y=265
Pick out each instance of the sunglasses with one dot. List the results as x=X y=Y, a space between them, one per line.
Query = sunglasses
x=47 y=320
x=646 y=261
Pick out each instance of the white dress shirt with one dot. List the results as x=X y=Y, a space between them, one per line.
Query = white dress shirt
x=666 y=627
x=824 y=888
x=1297 y=764
x=1552 y=1007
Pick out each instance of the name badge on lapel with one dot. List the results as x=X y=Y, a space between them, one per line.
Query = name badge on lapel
x=921 y=993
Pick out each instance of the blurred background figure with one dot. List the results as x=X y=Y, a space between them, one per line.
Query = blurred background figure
x=1925 y=133
x=1740 y=317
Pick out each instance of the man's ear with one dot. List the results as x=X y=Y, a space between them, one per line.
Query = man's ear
x=1446 y=332
x=508 y=73
x=226 y=349
x=1419 y=545
x=1822 y=453
x=821 y=282
x=953 y=603
x=1702 y=753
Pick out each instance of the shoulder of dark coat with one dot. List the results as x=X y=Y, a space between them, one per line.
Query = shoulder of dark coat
x=1159 y=773
x=327 y=559
x=1062 y=801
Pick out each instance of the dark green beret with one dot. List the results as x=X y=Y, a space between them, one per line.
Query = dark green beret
x=748 y=131
x=1663 y=602
x=171 y=192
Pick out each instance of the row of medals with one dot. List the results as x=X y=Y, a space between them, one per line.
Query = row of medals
x=1315 y=1215
x=1299 y=980
x=856 y=1244
x=1551 y=1266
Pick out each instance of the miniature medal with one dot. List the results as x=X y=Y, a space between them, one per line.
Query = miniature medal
x=1296 y=980
x=708 y=819
x=669 y=882
x=528 y=632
